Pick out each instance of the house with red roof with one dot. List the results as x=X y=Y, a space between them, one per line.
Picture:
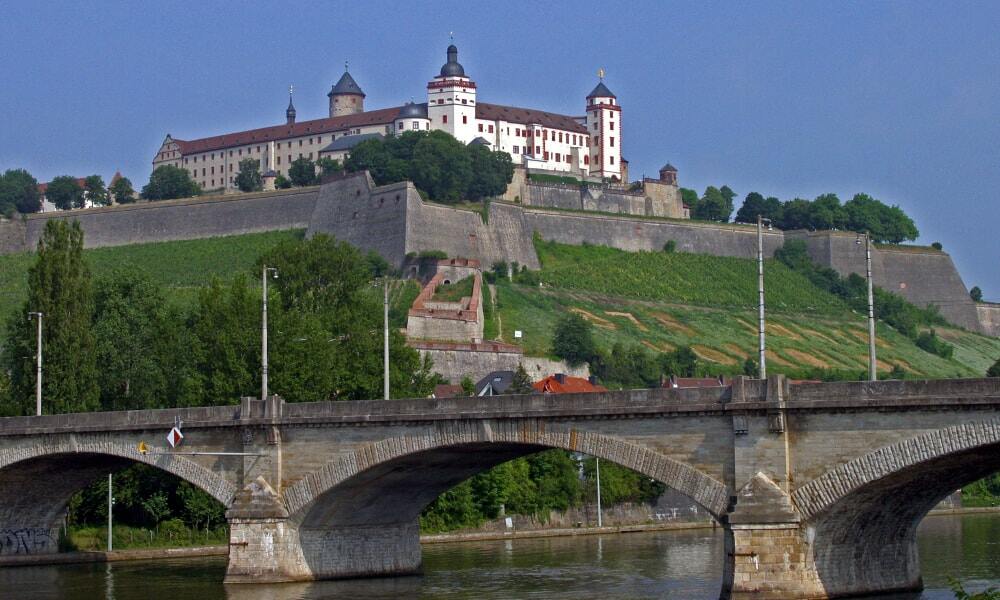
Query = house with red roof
x=565 y=384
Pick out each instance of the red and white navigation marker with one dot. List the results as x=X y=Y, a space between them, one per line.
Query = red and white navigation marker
x=174 y=437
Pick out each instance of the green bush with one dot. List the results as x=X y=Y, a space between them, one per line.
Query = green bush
x=573 y=340
x=928 y=341
x=670 y=247
x=436 y=254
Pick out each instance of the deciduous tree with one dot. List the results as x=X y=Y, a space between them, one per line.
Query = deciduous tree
x=121 y=191
x=976 y=294
x=573 y=340
x=58 y=286
x=302 y=172
x=249 y=178
x=18 y=192
x=95 y=192
x=168 y=182
x=65 y=192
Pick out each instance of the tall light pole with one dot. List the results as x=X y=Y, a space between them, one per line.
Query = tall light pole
x=263 y=331
x=385 y=346
x=111 y=503
x=872 y=362
x=760 y=292
x=597 y=466
x=38 y=364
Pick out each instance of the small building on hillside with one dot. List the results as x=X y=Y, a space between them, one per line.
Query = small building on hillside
x=561 y=383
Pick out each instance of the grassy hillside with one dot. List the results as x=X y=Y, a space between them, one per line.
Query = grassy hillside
x=664 y=300
x=181 y=267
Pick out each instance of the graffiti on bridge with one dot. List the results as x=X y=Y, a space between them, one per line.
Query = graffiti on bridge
x=27 y=540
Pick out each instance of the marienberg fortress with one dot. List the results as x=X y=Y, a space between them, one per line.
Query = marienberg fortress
x=394 y=221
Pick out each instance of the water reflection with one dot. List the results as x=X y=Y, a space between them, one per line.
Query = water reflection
x=683 y=564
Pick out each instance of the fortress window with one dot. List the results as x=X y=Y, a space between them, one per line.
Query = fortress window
x=415 y=125
x=611 y=114
x=557 y=157
x=465 y=120
x=278 y=159
x=515 y=149
x=464 y=101
x=560 y=136
x=203 y=171
x=611 y=126
x=230 y=153
x=538 y=149
x=444 y=118
x=300 y=143
x=230 y=167
x=185 y=160
x=397 y=197
x=480 y=128
x=586 y=159
x=491 y=129
x=611 y=142
x=545 y=135
x=546 y=156
x=612 y=159
x=258 y=148
x=289 y=159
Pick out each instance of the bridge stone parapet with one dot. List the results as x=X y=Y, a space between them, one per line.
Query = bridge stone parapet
x=819 y=486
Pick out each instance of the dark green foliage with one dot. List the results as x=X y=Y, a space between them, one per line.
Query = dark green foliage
x=500 y=269
x=131 y=325
x=329 y=166
x=714 y=205
x=750 y=367
x=167 y=182
x=929 y=341
x=862 y=214
x=58 y=286
x=435 y=254
x=441 y=167
x=468 y=386
x=619 y=484
x=491 y=172
x=627 y=367
x=521 y=382
x=302 y=172
x=937 y=246
x=573 y=340
x=994 y=370
x=281 y=182
x=95 y=192
x=547 y=178
x=689 y=198
x=670 y=247
x=249 y=178
x=65 y=192
x=18 y=192
x=682 y=362
x=976 y=294
x=121 y=191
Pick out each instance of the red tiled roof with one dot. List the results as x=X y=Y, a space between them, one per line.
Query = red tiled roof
x=280 y=132
x=569 y=385
x=528 y=116
x=447 y=390
x=80 y=181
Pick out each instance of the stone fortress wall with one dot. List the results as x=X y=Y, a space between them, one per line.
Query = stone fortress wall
x=393 y=221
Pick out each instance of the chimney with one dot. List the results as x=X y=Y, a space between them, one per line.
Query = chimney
x=561 y=378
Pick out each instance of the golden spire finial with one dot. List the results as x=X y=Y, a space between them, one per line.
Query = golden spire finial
x=600 y=73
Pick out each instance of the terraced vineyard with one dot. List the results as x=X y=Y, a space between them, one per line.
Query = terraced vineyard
x=664 y=300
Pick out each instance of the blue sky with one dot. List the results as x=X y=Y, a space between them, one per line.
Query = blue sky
x=896 y=99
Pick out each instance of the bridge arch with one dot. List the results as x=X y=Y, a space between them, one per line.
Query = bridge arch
x=501 y=441
x=863 y=515
x=359 y=514
x=38 y=479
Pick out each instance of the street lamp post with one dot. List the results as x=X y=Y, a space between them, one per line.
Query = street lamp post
x=385 y=345
x=597 y=466
x=872 y=362
x=38 y=365
x=263 y=331
x=760 y=292
x=111 y=503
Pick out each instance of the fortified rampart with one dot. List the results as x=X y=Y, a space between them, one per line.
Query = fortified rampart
x=989 y=318
x=393 y=221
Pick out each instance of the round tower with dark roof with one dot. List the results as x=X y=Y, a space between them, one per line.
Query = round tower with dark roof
x=451 y=99
x=346 y=97
x=604 y=123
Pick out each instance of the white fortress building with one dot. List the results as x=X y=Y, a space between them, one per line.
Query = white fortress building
x=587 y=145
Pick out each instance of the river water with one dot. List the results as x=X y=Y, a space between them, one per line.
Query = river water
x=679 y=564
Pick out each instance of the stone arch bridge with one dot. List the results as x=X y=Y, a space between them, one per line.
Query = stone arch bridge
x=819 y=487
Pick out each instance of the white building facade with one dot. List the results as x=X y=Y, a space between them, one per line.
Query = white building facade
x=584 y=145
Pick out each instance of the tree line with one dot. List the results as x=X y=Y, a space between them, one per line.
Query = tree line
x=116 y=343
x=19 y=192
x=862 y=213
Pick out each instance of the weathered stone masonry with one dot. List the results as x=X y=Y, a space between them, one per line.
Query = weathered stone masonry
x=819 y=486
x=394 y=221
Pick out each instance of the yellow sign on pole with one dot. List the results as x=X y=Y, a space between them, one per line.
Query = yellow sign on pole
x=142 y=448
